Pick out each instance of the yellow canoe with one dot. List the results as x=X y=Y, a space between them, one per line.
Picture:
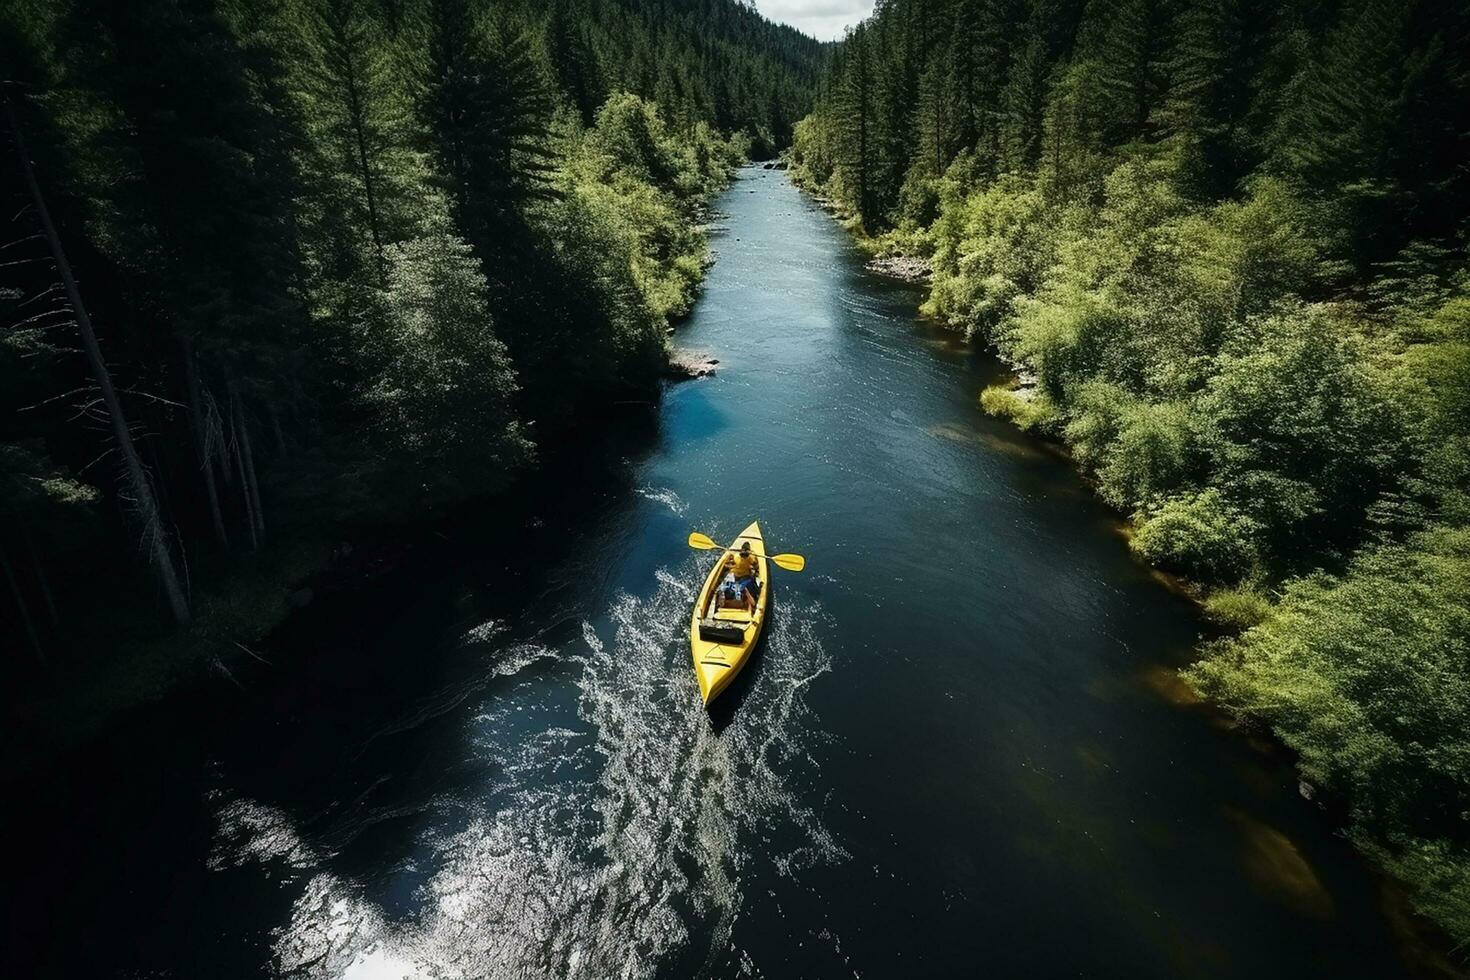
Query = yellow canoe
x=722 y=638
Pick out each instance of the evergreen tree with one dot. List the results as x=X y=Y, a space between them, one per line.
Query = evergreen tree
x=488 y=113
x=575 y=62
x=348 y=93
x=855 y=104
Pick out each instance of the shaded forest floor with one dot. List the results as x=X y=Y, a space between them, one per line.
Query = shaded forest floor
x=122 y=663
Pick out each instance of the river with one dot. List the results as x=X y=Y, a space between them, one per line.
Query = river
x=961 y=748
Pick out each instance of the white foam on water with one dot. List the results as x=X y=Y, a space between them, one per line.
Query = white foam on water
x=247 y=832
x=483 y=633
x=605 y=851
x=665 y=496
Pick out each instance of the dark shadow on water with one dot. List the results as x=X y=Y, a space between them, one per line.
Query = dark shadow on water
x=347 y=738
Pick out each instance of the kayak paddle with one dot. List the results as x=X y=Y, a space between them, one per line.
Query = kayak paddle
x=792 y=563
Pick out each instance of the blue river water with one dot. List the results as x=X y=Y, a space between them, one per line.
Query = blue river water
x=960 y=750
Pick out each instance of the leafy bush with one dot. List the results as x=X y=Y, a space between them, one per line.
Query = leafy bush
x=989 y=247
x=1364 y=676
x=638 y=180
x=1028 y=408
x=1151 y=456
x=1241 y=607
x=1201 y=535
x=1298 y=427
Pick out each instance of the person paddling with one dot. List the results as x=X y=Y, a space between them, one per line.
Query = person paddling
x=743 y=567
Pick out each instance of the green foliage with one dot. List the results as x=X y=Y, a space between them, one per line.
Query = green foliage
x=989 y=248
x=640 y=180
x=1227 y=239
x=1152 y=454
x=1240 y=607
x=1029 y=408
x=344 y=257
x=1364 y=676
x=40 y=502
x=1298 y=428
x=1199 y=534
x=444 y=386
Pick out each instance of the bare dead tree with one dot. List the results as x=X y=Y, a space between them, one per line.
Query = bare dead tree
x=144 y=500
x=20 y=603
x=238 y=452
x=252 y=487
x=202 y=443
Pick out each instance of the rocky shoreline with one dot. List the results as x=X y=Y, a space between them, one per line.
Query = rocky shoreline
x=685 y=365
x=906 y=268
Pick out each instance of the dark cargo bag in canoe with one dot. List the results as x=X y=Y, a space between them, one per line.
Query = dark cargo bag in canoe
x=719 y=631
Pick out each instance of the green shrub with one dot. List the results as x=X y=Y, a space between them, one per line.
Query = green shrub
x=1151 y=456
x=1241 y=607
x=1201 y=535
x=1364 y=675
x=1296 y=422
x=1028 y=408
x=444 y=387
x=990 y=247
x=1096 y=411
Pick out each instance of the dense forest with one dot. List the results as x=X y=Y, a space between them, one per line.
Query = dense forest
x=1223 y=243
x=272 y=269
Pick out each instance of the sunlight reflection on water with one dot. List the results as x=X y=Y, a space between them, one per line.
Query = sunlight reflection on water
x=595 y=856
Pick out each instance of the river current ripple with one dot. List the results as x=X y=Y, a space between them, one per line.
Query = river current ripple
x=599 y=852
x=962 y=746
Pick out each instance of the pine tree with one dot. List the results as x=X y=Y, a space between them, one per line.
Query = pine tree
x=855 y=108
x=348 y=93
x=1217 y=52
x=1127 y=43
x=574 y=60
x=1377 y=117
x=487 y=109
x=1023 y=104
x=197 y=199
x=156 y=540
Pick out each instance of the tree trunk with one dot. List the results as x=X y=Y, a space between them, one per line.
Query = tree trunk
x=240 y=471
x=44 y=583
x=201 y=444
x=20 y=603
x=357 y=119
x=250 y=469
x=226 y=473
x=276 y=429
x=137 y=478
x=370 y=192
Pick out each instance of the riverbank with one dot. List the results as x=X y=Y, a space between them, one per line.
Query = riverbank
x=1191 y=509
x=474 y=732
x=221 y=648
x=126 y=662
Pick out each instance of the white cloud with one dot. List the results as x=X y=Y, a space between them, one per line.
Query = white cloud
x=822 y=19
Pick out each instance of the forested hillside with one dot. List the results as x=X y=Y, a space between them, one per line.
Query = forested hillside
x=272 y=268
x=1224 y=244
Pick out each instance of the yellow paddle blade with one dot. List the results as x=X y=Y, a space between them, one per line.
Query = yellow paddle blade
x=792 y=563
x=701 y=541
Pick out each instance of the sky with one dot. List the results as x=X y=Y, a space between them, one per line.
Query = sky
x=822 y=19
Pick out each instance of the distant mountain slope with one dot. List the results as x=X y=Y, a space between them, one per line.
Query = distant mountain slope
x=718 y=60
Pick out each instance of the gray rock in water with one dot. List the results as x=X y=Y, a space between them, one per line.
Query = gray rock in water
x=300 y=599
x=684 y=365
x=909 y=268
